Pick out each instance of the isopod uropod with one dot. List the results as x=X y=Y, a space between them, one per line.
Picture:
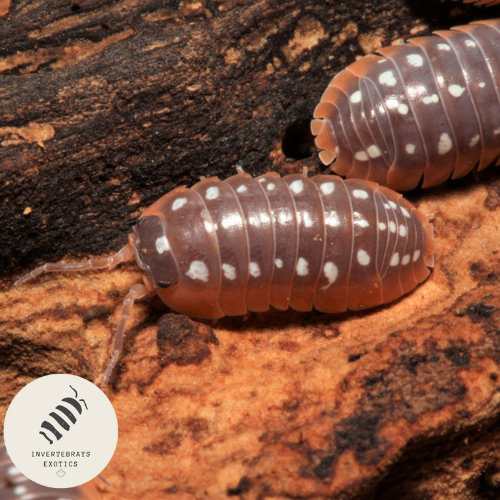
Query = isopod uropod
x=431 y=108
x=244 y=244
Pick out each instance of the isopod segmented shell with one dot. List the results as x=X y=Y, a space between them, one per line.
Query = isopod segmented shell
x=431 y=108
x=244 y=244
x=247 y=244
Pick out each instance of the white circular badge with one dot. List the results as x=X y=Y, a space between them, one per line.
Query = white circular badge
x=60 y=431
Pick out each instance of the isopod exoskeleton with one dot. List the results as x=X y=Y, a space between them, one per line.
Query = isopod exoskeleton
x=431 y=108
x=244 y=244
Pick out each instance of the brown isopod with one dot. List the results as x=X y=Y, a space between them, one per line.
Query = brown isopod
x=244 y=244
x=429 y=108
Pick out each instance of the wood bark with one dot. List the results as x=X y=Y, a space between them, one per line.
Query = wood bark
x=106 y=106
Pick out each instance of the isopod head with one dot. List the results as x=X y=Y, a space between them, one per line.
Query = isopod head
x=153 y=253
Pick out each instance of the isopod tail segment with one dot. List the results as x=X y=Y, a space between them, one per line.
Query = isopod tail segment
x=426 y=109
x=223 y=248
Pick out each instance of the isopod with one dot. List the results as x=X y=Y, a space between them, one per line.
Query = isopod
x=244 y=244
x=16 y=486
x=430 y=108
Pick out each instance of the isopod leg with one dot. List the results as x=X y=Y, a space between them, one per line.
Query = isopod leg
x=126 y=253
x=136 y=292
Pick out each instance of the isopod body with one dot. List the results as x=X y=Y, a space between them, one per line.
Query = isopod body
x=244 y=244
x=430 y=108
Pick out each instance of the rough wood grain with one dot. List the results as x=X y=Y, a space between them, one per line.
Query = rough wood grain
x=106 y=106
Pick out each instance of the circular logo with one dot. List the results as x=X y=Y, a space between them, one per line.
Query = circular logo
x=60 y=431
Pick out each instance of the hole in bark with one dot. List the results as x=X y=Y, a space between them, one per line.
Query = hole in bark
x=298 y=141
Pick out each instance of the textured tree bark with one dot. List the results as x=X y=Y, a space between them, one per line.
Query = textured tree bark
x=105 y=106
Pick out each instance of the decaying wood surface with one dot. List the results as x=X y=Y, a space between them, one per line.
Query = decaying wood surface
x=105 y=106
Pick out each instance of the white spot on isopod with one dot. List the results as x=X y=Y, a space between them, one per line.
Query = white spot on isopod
x=416 y=255
x=361 y=156
x=308 y=222
x=402 y=230
x=270 y=186
x=229 y=271
x=387 y=78
x=363 y=258
x=387 y=206
x=212 y=193
x=393 y=205
x=405 y=212
x=284 y=218
x=392 y=103
x=382 y=60
x=13 y=471
x=362 y=223
x=327 y=187
x=254 y=269
x=392 y=226
x=445 y=144
x=302 y=267
x=455 y=90
x=496 y=131
x=297 y=186
x=473 y=141
x=331 y=272
x=382 y=226
x=482 y=85
x=443 y=46
x=410 y=148
x=403 y=109
x=470 y=43
x=374 y=151
x=179 y=203
x=198 y=270
x=406 y=259
x=332 y=219
x=356 y=97
x=241 y=189
x=20 y=490
x=428 y=99
x=162 y=245
x=359 y=193
x=395 y=259
x=262 y=180
x=279 y=263
x=415 y=60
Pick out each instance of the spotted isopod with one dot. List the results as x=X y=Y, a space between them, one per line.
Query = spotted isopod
x=431 y=108
x=244 y=244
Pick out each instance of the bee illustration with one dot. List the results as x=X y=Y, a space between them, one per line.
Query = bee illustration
x=61 y=421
